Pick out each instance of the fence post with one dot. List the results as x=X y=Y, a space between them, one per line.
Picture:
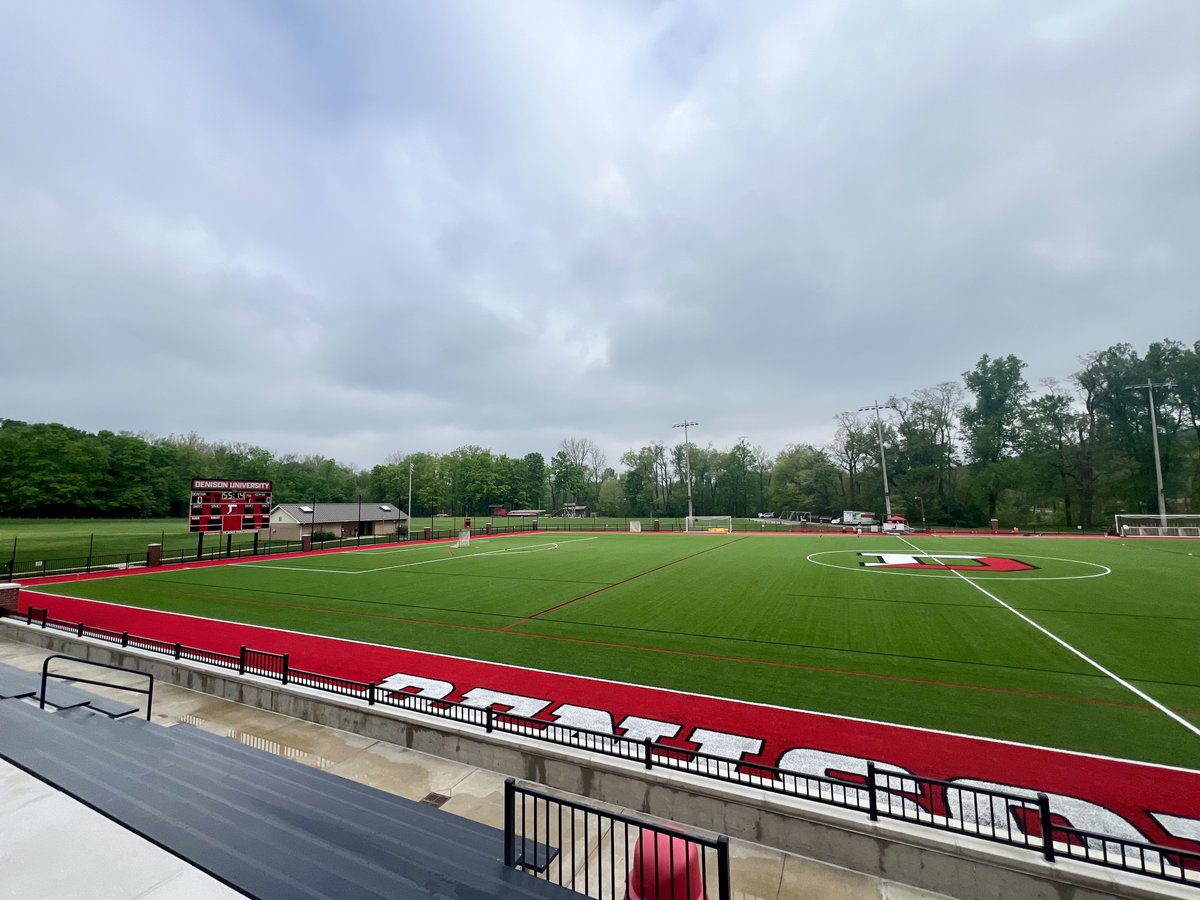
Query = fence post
x=285 y=668
x=79 y=630
x=723 y=889
x=124 y=638
x=45 y=613
x=371 y=694
x=649 y=744
x=242 y=661
x=488 y=726
x=1047 y=826
x=872 y=797
x=510 y=819
x=29 y=615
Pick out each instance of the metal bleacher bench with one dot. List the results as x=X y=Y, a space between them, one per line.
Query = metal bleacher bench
x=18 y=684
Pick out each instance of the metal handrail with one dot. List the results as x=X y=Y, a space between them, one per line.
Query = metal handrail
x=47 y=674
x=1139 y=858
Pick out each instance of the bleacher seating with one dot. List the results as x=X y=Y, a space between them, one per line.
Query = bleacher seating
x=17 y=683
x=262 y=824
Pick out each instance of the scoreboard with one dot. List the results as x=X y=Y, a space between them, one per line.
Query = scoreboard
x=220 y=506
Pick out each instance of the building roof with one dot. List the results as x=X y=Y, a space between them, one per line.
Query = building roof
x=342 y=512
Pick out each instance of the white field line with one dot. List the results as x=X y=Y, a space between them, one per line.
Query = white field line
x=421 y=562
x=1087 y=659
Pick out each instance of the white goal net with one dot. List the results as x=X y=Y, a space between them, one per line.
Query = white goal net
x=464 y=538
x=1144 y=525
x=709 y=524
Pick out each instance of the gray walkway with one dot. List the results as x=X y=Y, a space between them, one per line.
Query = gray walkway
x=108 y=861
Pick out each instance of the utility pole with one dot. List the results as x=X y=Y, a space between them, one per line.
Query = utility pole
x=887 y=495
x=1149 y=387
x=408 y=524
x=687 y=459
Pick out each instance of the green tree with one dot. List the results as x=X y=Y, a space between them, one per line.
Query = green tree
x=854 y=445
x=991 y=426
x=803 y=478
x=568 y=480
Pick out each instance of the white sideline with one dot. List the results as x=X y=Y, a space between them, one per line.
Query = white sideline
x=1054 y=637
x=553 y=545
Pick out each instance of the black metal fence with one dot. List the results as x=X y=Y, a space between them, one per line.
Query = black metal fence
x=604 y=854
x=20 y=566
x=1019 y=820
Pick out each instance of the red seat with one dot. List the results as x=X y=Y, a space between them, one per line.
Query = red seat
x=665 y=867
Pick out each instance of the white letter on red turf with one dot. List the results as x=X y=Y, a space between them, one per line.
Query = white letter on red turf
x=638 y=729
x=429 y=688
x=1078 y=813
x=824 y=764
x=1178 y=826
x=518 y=704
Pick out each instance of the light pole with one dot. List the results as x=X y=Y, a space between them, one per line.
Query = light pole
x=1149 y=386
x=407 y=529
x=887 y=495
x=687 y=460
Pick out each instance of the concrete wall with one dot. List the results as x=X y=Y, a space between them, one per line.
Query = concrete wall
x=923 y=857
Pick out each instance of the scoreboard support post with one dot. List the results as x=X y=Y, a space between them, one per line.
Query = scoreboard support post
x=200 y=546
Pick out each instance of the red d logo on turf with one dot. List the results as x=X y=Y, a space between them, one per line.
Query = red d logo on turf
x=943 y=561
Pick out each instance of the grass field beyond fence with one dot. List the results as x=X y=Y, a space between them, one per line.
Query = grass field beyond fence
x=799 y=621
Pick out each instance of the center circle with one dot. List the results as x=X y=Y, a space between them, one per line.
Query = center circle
x=964 y=572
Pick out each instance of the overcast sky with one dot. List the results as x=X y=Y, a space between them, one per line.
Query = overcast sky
x=363 y=228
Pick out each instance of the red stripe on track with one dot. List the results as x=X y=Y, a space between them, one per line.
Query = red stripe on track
x=1130 y=790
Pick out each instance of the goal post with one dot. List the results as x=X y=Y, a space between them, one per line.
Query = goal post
x=709 y=524
x=464 y=538
x=1150 y=525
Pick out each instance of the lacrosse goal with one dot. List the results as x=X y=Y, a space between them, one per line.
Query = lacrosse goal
x=1148 y=525
x=709 y=524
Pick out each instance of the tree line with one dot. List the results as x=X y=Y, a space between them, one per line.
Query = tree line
x=959 y=452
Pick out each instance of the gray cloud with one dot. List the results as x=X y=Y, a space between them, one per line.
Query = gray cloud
x=356 y=229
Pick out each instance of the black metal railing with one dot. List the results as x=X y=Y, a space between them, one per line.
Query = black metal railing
x=1122 y=853
x=260 y=662
x=148 y=691
x=1015 y=819
x=604 y=854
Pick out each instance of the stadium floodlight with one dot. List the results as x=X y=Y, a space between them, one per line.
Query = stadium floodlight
x=687 y=460
x=1149 y=386
x=887 y=496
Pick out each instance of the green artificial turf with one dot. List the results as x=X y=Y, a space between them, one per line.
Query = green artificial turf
x=783 y=619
